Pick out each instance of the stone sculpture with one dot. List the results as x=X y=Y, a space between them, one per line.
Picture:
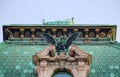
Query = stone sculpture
x=76 y=61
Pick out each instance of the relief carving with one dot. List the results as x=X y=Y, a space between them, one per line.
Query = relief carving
x=77 y=61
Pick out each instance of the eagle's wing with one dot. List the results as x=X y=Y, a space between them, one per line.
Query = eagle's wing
x=71 y=38
x=49 y=38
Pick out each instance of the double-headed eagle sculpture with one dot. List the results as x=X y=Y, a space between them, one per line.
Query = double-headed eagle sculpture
x=61 y=43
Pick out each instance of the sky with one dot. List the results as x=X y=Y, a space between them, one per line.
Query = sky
x=83 y=11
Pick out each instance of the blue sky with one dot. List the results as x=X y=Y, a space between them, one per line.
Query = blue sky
x=83 y=11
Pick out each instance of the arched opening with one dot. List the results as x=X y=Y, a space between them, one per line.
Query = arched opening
x=62 y=73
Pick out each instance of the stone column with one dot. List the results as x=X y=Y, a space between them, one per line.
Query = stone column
x=97 y=33
x=22 y=33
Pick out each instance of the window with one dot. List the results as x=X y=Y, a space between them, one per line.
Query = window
x=62 y=74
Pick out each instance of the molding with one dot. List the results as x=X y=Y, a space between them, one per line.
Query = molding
x=47 y=62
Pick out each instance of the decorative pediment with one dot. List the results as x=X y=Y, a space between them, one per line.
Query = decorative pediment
x=48 y=52
x=77 y=53
x=76 y=61
x=74 y=50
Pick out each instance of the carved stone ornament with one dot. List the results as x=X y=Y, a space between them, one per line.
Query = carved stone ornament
x=77 y=61
x=102 y=34
x=91 y=34
x=16 y=34
x=7 y=31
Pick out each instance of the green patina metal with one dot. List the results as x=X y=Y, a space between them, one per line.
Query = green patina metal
x=16 y=54
x=16 y=61
x=60 y=25
x=66 y=22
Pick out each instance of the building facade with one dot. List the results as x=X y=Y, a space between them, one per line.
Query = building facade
x=25 y=53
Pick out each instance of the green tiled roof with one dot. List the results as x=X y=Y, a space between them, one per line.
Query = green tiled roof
x=105 y=60
x=16 y=60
